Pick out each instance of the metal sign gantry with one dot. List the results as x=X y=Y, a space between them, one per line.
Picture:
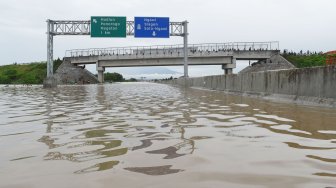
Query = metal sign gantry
x=83 y=27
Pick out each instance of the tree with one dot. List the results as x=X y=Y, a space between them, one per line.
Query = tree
x=285 y=52
x=113 y=77
x=57 y=63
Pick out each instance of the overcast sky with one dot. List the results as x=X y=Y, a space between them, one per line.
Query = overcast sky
x=296 y=24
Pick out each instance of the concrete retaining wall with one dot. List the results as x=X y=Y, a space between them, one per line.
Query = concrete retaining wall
x=316 y=85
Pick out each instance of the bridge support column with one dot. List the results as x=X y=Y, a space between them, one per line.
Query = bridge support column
x=101 y=76
x=100 y=71
x=228 y=68
x=227 y=71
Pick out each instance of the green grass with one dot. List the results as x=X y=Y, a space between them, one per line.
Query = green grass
x=32 y=73
x=302 y=61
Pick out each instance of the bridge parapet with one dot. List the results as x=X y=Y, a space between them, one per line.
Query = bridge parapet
x=207 y=49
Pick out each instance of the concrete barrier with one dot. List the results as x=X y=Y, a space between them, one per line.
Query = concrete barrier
x=311 y=86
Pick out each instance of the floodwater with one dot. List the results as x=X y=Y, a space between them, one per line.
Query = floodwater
x=154 y=135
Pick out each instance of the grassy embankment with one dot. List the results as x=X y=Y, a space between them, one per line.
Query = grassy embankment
x=34 y=73
x=30 y=73
x=301 y=61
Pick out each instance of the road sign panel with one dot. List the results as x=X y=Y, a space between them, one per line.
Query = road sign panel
x=108 y=26
x=151 y=27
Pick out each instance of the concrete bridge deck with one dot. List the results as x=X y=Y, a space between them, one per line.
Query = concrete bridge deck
x=224 y=54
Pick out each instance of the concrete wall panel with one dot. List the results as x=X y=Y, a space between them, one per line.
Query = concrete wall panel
x=317 y=82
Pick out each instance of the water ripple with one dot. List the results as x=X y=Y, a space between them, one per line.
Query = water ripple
x=144 y=127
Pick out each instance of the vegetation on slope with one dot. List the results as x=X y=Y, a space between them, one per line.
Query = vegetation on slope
x=32 y=73
x=307 y=59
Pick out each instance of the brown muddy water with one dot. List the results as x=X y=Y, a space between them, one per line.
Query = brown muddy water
x=154 y=135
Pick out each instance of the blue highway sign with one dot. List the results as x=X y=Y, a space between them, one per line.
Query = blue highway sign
x=151 y=27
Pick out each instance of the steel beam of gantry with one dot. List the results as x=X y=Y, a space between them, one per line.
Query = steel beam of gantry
x=82 y=27
x=63 y=27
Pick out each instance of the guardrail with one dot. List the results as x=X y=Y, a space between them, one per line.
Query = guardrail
x=170 y=49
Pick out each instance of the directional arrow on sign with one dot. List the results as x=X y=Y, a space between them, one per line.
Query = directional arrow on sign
x=94 y=21
x=154 y=34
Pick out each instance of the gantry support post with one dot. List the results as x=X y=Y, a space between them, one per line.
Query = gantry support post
x=185 y=43
x=49 y=49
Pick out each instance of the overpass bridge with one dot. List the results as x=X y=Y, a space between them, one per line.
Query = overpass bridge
x=224 y=54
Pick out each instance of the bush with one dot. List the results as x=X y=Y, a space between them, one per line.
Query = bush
x=113 y=77
x=4 y=79
x=29 y=79
x=11 y=74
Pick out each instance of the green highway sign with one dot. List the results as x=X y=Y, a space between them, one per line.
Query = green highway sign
x=108 y=26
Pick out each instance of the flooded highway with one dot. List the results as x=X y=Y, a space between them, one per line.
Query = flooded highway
x=155 y=135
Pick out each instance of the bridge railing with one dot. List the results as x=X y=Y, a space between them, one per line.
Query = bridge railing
x=167 y=50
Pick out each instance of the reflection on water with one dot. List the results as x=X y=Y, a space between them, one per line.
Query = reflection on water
x=98 y=167
x=158 y=130
x=154 y=170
